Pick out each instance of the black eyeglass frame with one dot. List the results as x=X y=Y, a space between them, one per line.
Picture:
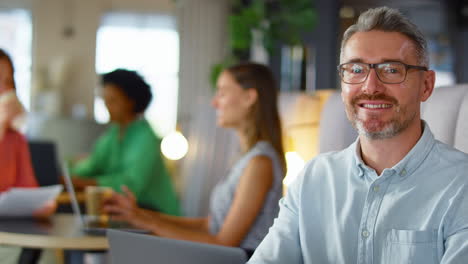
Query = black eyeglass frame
x=374 y=65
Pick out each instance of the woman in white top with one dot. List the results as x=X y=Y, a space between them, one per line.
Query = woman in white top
x=245 y=203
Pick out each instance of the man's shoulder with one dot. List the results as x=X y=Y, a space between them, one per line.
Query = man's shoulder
x=330 y=163
x=337 y=156
x=449 y=162
x=450 y=155
x=330 y=169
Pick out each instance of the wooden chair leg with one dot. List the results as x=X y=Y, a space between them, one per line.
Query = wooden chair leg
x=60 y=256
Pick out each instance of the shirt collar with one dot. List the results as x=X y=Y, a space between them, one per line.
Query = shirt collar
x=410 y=162
x=360 y=165
x=133 y=123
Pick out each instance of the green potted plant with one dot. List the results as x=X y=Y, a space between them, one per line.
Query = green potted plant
x=278 y=21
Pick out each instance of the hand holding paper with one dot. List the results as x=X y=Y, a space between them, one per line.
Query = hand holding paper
x=21 y=202
x=47 y=210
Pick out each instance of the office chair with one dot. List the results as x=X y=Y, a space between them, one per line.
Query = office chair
x=45 y=166
x=44 y=161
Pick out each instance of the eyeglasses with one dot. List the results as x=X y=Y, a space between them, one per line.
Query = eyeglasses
x=387 y=72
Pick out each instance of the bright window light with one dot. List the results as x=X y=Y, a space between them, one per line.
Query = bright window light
x=295 y=164
x=148 y=44
x=16 y=39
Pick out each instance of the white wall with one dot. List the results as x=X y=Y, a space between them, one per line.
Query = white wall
x=202 y=25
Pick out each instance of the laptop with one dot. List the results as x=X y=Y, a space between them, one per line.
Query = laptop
x=143 y=249
x=90 y=225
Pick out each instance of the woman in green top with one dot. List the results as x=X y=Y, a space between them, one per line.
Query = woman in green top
x=129 y=151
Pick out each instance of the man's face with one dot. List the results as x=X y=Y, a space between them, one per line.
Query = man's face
x=376 y=109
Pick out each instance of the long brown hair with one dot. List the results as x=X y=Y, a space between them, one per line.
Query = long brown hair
x=4 y=56
x=265 y=121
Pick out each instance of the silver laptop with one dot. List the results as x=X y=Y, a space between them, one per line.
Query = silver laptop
x=134 y=248
x=90 y=225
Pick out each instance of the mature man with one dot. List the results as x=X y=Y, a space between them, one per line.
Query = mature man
x=396 y=195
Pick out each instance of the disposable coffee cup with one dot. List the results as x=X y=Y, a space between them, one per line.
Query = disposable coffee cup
x=95 y=197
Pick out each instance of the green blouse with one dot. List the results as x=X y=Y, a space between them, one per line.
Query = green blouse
x=133 y=160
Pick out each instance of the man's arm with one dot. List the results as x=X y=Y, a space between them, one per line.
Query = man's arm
x=456 y=242
x=282 y=245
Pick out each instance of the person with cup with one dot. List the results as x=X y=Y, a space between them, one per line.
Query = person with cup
x=15 y=160
x=128 y=153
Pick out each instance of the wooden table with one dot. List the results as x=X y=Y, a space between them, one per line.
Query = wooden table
x=64 y=197
x=61 y=231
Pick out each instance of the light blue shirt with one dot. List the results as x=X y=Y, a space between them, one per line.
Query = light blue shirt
x=340 y=211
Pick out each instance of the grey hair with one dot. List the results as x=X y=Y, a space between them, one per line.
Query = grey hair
x=389 y=20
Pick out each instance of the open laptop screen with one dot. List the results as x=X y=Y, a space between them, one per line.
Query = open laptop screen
x=142 y=249
x=72 y=194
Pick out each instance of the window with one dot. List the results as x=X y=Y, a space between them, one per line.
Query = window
x=16 y=38
x=148 y=44
x=441 y=60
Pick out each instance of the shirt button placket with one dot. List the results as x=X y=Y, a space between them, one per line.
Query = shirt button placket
x=403 y=173
x=365 y=234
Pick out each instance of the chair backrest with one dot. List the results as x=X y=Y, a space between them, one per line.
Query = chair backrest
x=44 y=161
x=461 y=135
x=441 y=111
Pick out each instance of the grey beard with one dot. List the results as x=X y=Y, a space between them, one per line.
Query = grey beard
x=393 y=128
x=388 y=132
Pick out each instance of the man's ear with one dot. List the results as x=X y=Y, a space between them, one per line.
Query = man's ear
x=429 y=82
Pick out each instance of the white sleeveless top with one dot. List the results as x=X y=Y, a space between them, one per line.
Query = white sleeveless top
x=223 y=194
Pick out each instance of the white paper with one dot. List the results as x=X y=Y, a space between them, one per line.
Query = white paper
x=17 y=202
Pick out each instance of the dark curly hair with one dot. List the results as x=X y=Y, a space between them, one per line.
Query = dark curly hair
x=133 y=85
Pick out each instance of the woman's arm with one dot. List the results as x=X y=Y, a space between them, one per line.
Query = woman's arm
x=124 y=207
x=198 y=224
x=248 y=201
x=82 y=183
x=92 y=165
x=249 y=198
